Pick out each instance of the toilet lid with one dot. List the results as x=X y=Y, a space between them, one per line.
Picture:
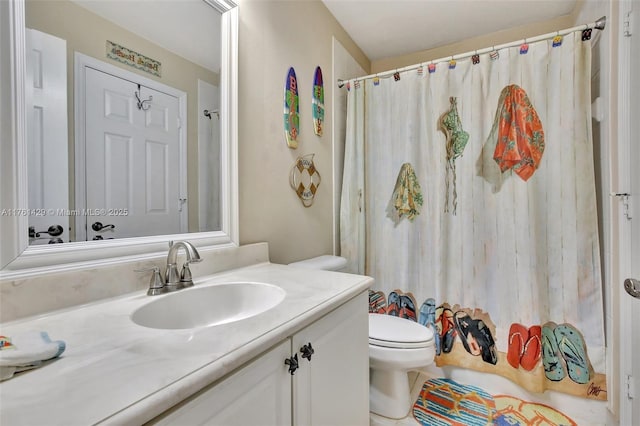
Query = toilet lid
x=393 y=332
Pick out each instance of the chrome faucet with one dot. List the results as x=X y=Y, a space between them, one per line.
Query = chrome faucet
x=173 y=280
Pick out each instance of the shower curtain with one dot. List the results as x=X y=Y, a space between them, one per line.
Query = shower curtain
x=522 y=252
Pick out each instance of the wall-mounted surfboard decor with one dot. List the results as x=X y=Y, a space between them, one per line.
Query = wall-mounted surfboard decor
x=317 y=103
x=291 y=110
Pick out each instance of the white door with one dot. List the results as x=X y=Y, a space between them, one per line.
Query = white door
x=47 y=140
x=132 y=159
x=630 y=227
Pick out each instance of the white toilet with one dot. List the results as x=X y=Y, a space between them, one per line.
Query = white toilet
x=396 y=346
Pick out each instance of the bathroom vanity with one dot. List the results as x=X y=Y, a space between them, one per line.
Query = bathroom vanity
x=115 y=371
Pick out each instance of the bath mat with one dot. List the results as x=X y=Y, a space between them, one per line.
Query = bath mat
x=512 y=411
x=443 y=402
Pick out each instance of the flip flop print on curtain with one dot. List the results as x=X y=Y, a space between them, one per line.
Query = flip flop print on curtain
x=524 y=346
x=457 y=139
x=446 y=328
x=427 y=318
x=476 y=331
x=565 y=342
x=476 y=337
x=402 y=305
x=377 y=302
x=520 y=137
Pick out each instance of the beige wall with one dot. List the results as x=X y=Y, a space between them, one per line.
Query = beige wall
x=475 y=43
x=87 y=33
x=274 y=35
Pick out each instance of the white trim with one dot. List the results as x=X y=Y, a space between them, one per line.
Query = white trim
x=81 y=63
x=229 y=124
x=624 y=226
x=13 y=127
x=46 y=259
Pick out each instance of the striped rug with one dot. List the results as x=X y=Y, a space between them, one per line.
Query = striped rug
x=443 y=402
x=512 y=411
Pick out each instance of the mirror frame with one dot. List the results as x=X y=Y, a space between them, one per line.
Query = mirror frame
x=17 y=258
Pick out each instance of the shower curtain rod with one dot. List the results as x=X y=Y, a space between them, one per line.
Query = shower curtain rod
x=599 y=25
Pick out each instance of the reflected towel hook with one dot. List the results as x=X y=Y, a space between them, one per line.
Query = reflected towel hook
x=141 y=105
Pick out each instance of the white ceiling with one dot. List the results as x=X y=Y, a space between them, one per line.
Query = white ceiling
x=188 y=28
x=387 y=28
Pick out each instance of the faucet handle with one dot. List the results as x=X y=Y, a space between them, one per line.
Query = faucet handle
x=156 y=283
x=185 y=276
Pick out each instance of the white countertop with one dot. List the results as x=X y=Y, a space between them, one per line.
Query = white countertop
x=118 y=372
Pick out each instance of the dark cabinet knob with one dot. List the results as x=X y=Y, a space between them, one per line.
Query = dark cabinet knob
x=292 y=363
x=307 y=351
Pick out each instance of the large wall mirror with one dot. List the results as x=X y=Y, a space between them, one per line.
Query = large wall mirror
x=127 y=134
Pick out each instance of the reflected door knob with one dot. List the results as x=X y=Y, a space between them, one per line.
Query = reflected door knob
x=307 y=351
x=98 y=226
x=53 y=230
x=632 y=287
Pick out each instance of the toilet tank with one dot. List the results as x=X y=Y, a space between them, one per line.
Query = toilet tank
x=325 y=262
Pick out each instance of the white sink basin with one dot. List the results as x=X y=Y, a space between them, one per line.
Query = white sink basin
x=208 y=305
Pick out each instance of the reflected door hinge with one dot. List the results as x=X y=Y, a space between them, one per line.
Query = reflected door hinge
x=627 y=211
x=179 y=122
x=181 y=202
x=627 y=25
x=631 y=391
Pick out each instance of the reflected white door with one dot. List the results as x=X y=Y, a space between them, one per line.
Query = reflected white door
x=47 y=136
x=132 y=160
x=634 y=220
x=630 y=229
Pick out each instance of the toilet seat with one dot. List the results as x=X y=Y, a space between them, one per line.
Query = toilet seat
x=389 y=331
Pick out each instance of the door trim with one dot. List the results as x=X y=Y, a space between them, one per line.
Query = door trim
x=81 y=63
x=623 y=229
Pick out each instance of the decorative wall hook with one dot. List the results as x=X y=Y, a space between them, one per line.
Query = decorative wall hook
x=141 y=102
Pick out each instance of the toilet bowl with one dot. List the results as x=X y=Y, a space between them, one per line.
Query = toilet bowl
x=396 y=346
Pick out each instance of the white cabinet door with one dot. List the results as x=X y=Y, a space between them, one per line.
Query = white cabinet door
x=258 y=394
x=332 y=388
